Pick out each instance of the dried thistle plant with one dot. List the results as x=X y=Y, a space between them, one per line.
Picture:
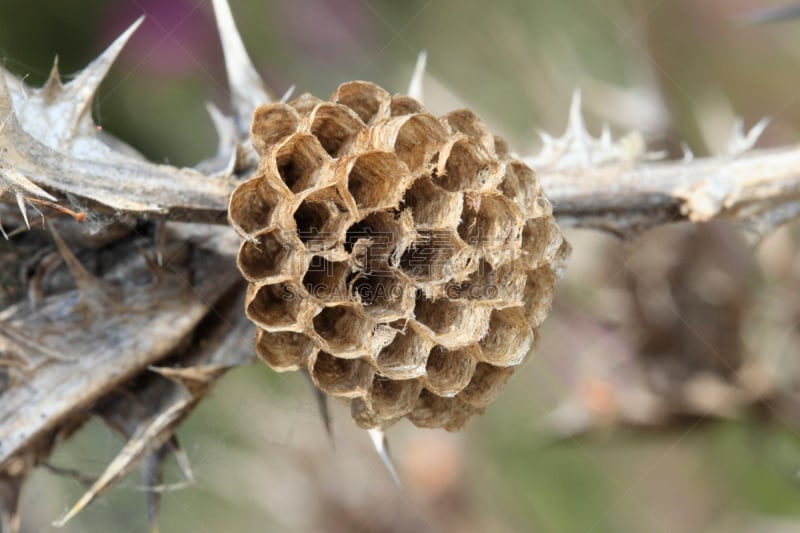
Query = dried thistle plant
x=141 y=337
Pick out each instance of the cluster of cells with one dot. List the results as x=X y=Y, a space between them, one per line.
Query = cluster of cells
x=404 y=261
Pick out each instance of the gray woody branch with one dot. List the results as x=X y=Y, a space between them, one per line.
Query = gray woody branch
x=50 y=149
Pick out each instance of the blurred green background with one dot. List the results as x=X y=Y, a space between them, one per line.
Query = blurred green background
x=599 y=432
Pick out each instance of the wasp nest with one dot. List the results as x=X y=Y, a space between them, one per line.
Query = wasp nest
x=404 y=261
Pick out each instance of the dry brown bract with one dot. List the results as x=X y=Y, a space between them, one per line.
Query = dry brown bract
x=405 y=261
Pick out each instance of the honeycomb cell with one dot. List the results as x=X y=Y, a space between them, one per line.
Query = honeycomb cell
x=453 y=324
x=321 y=218
x=267 y=259
x=432 y=207
x=388 y=401
x=501 y=286
x=278 y=307
x=254 y=206
x=509 y=338
x=493 y=224
x=343 y=378
x=271 y=123
x=464 y=165
x=418 y=138
x=384 y=296
x=405 y=357
x=486 y=385
x=435 y=255
x=541 y=240
x=539 y=294
x=432 y=411
x=305 y=103
x=501 y=147
x=285 y=350
x=405 y=105
x=344 y=331
x=298 y=163
x=375 y=180
x=521 y=185
x=376 y=241
x=369 y=101
x=464 y=121
x=326 y=280
x=449 y=371
x=334 y=126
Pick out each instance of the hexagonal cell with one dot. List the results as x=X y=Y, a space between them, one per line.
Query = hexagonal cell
x=493 y=224
x=376 y=241
x=343 y=378
x=449 y=371
x=509 y=338
x=436 y=255
x=539 y=294
x=486 y=385
x=344 y=331
x=541 y=240
x=388 y=401
x=321 y=218
x=375 y=180
x=501 y=286
x=268 y=259
x=432 y=207
x=254 y=205
x=453 y=324
x=334 y=126
x=405 y=105
x=465 y=165
x=522 y=186
x=466 y=122
x=367 y=99
x=278 y=307
x=271 y=123
x=417 y=140
x=501 y=147
x=432 y=411
x=284 y=351
x=385 y=296
x=305 y=103
x=405 y=357
x=325 y=280
x=298 y=163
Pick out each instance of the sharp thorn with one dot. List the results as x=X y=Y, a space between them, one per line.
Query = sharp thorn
x=182 y=460
x=740 y=142
x=152 y=470
x=53 y=84
x=688 y=155
x=381 y=445
x=577 y=126
x=288 y=94
x=606 y=140
x=415 y=85
x=248 y=90
x=224 y=161
x=23 y=210
x=82 y=277
x=10 y=488
x=84 y=85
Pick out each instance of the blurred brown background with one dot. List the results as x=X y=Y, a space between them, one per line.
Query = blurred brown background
x=664 y=393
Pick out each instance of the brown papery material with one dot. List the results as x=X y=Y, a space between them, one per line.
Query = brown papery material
x=404 y=261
